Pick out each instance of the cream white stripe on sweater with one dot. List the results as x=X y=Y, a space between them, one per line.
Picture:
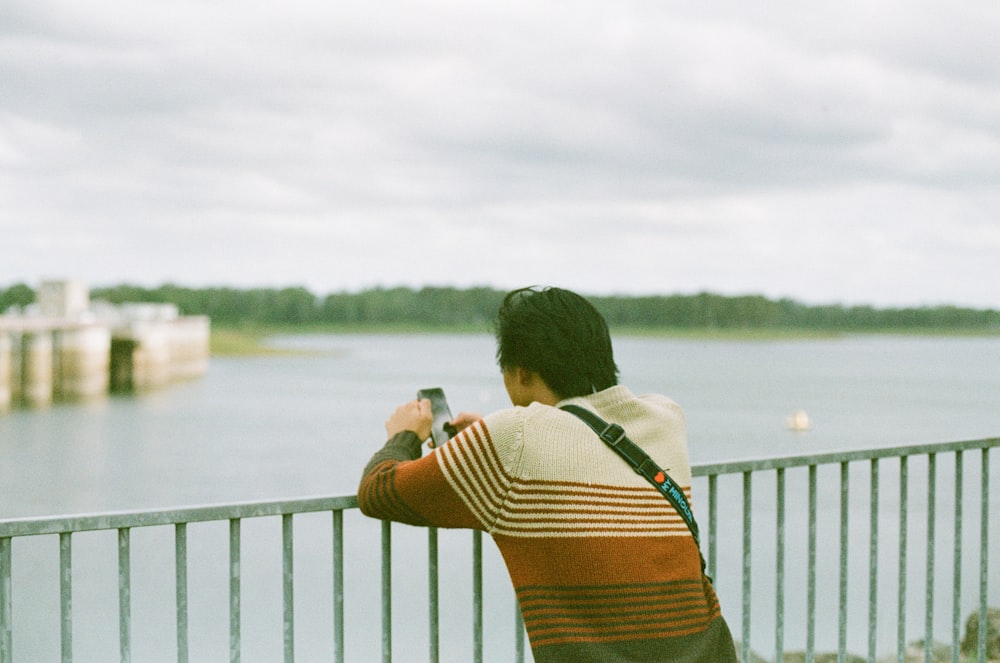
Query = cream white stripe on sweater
x=474 y=473
x=564 y=473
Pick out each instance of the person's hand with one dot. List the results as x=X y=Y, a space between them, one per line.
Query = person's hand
x=414 y=416
x=464 y=420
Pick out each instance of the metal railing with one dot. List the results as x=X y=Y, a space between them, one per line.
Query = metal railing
x=874 y=458
x=751 y=605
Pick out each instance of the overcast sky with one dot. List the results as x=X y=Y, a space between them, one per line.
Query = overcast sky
x=836 y=152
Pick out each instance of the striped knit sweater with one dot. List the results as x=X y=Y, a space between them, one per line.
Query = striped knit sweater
x=604 y=568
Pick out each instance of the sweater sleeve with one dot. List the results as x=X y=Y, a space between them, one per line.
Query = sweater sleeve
x=432 y=490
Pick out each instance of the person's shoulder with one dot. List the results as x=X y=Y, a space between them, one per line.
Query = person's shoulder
x=661 y=403
x=650 y=414
x=620 y=400
x=506 y=431
x=505 y=427
x=517 y=417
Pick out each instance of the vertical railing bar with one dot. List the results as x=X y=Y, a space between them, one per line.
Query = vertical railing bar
x=181 y=573
x=811 y=590
x=433 y=610
x=779 y=571
x=386 y=592
x=904 y=492
x=125 y=594
x=956 y=596
x=844 y=521
x=713 y=519
x=288 y=584
x=518 y=633
x=338 y=586
x=984 y=532
x=873 y=564
x=477 y=595
x=235 y=594
x=747 y=539
x=6 y=603
x=66 y=595
x=931 y=545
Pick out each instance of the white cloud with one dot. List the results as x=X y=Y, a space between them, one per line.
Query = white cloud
x=848 y=152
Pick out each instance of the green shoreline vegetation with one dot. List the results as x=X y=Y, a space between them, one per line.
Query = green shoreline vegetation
x=244 y=342
x=243 y=319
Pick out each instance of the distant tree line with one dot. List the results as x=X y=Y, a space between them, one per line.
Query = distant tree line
x=474 y=308
x=712 y=311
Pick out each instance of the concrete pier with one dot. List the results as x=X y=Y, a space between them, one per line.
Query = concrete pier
x=81 y=361
x=47 y=361
x=66 y=351
x=34 y=386
x=152 y=354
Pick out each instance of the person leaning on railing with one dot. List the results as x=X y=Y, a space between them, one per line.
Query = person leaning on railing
x=605 y=569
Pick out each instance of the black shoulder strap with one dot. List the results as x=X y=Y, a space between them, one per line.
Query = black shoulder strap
x=614 y=436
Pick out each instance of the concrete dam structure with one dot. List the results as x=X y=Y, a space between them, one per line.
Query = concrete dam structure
x=65 y=349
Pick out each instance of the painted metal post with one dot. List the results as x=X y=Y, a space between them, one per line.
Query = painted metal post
x=873 y=565
x=66 y=595
x=6 y=604
x=713 y=519
x=904 y=491
x=956 y=596
x=338 y=586
x=288 y=584
x=477 y=596
x=984 y=540
x=125 y=594
x=386 y=591
x=844 y=521
x=518 y=633
x=235 y=597
x=181 y=575
x=779 y=570
x=811 y=584
x=931 y=535
x=747 y=567
x=432 y=593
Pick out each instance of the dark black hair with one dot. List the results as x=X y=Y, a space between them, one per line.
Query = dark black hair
x=559 y=335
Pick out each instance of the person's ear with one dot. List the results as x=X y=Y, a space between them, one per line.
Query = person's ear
x=526 y=378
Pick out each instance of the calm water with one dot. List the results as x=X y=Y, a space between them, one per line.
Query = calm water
x=304 y=425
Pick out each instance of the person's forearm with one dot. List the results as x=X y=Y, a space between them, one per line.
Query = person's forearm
x=403 y=485
x=376 y=493
x=402 y=446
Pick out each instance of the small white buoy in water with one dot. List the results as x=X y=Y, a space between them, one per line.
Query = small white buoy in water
x=798 y=421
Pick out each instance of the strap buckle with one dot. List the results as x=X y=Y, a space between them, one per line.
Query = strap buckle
x=613 y=434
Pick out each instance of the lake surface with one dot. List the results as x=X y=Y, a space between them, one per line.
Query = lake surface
x=305 y=424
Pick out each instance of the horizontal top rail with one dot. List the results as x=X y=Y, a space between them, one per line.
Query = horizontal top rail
x=805 y=460
x=31 y=526
x=126 y=519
